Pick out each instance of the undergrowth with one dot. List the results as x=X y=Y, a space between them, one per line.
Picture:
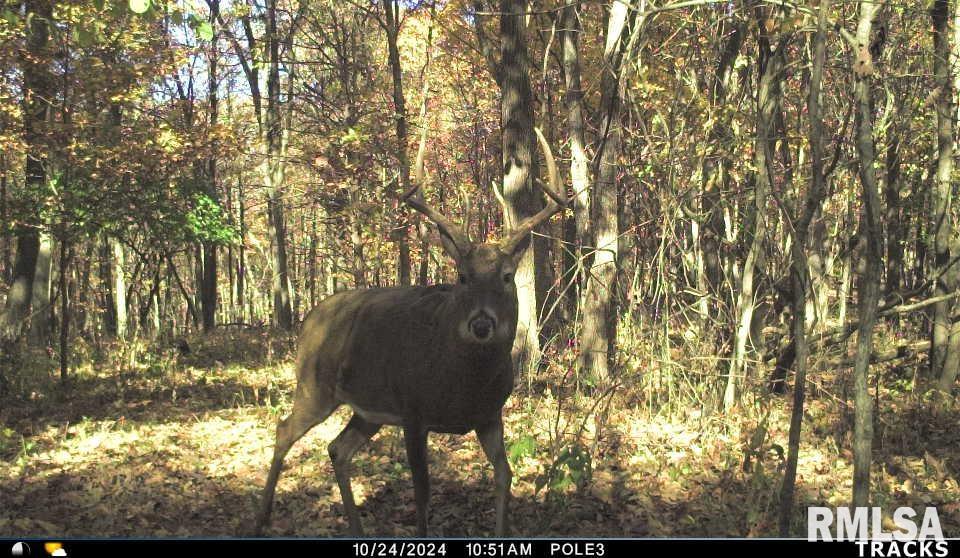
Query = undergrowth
x=154 y=439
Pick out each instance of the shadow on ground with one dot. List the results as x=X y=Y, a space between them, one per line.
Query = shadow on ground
x=109 y=398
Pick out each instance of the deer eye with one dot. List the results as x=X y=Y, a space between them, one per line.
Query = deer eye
x=463 y=279
x=507 y=277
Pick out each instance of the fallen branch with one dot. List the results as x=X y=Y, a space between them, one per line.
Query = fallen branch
x=842 y=332
x=902 y=350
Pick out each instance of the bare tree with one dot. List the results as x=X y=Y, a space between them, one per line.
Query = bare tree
x=771 y=62
x=871 y=260
x=599 y=325
x=274 y=138
x=208 y=280
x=391 y=24
x=945 y=338
x=799 y=264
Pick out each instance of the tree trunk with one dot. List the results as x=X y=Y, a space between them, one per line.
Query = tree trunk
x=894 y=216
x=391 y=10
x=119 y=302
x=941 y=220
x=108 y=298
x=871 y=266
x=716 y=166
x=771 y=63
x=846 y=264
x=945 y=340
x=422 y=231
x=242 y=255
x=799 y=267
x=208 y=281
x=150 y=305
x=38 y=90
x=820 y=263
x=518 y=170
x=65 y=253
x=578 y=152
x=40 y=297
x=599 y=326
x=5 y=252
x=312 y=258
x=83 y=295
x=274 y=177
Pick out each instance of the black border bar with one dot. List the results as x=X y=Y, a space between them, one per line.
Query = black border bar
x=485 y=548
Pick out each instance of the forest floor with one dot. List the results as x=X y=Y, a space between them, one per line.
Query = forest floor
x=152 y=443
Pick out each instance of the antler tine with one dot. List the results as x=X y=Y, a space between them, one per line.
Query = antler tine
x=453 y=232
x=554 y=187
x=556 y=200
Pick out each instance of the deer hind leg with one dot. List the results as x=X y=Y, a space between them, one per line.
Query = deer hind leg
x=415 y=439
x=307 y=413
x=357 y=432
x=491 y=440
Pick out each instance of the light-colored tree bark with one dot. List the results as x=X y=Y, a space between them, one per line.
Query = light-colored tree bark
x=579 y=161
x=519 y=170
x=941 y=193
x=425 y=74
x=771 y=62
x=119 y=289
x=40 y=296
x=598 y=332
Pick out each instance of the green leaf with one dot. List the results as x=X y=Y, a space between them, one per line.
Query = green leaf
x=139 y=6
x=84 y=36
x=12 y=18
x=523 y=447
x=205 y=31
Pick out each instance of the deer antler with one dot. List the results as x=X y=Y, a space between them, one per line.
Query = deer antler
x=557 y=201
x=414 y=198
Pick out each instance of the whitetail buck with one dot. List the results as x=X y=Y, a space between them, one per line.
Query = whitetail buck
x=428 y=359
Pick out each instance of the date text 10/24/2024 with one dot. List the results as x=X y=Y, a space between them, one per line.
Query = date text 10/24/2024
x=473 y=549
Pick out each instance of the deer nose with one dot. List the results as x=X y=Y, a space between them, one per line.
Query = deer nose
x=482 y=326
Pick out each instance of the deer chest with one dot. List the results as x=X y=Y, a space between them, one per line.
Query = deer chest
x=464 y=403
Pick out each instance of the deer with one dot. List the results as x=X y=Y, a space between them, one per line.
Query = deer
x=424 y=358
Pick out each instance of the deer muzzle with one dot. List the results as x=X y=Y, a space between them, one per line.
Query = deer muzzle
x=482 y=325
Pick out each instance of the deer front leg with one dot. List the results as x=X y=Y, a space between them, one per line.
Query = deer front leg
x=491 y=440
x=415 y=438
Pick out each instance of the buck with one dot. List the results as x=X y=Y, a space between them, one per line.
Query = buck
x=427 y=359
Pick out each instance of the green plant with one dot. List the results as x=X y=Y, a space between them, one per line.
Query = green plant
x=573 y=467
